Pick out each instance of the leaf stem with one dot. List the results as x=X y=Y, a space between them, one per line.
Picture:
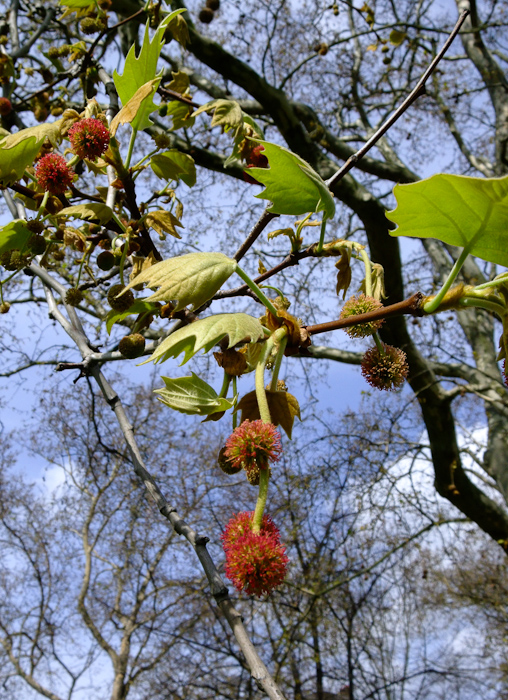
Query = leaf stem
x=368 y=272
x=487 y=304
x=225 y=385
x=134 y=133
x=257 y=291
x=264 y=410
x=278 y=361
x=431 y=306
x=321 y=236
x=264 y=478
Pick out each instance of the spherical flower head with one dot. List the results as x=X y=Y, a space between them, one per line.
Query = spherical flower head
x=255 y=563
x=252 y=446
x=89 y=138
x=355 y=306
x=5 y=106
x=53 y=174
x=386 y=371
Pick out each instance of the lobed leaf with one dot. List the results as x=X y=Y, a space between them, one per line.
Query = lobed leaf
x=187 y=279
x=93 y=210
x=14 y=235
x=191 y=395
x=137 y=108
x=174 y=165
x=458 y=210
x=19 y=150
x=291 y=184
x=207 y=332
x=226 y=113
x=163 y=222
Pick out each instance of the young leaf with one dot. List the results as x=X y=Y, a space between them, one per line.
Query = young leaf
x=137 y=108
x=138 y=307
x=93 y=210
x=284 y=408
x=192 y=395
x=163 y=222
x=206 y=333
x=181 y=114
x=187 y=279
x=462 y=211
x=226 y=113
x=291 y=184
x=174 y=165
x=139 y=70
x=19 y=150
x=14 y=235
x=397 y=37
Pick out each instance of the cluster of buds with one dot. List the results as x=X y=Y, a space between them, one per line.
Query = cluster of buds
x=256 y=563
x=252 y=446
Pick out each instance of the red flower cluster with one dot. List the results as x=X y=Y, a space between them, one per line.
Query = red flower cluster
x=53 y=173
x=385 y=371
x=255 y=563
x=89 y=138
x=252 y=446
x=255 y=159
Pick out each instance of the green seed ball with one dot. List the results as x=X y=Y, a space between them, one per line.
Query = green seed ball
x=122 y=303
x=74 y=297
x=132 y=346
x=37 y=245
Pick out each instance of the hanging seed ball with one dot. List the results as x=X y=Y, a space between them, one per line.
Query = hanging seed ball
x=36 y=245
x=356 y=306
x=35 y=226
x=206 y=15
x=213 y=5
x=132 y=346
x=120 y=303
x=226 y=465
x=387 y=371
x=89 y=138
x=53 y=173
x=5 y=259
x=105 y=260
x=4 y=307
x=74 y=297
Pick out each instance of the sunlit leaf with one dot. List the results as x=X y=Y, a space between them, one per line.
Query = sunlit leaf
x=397 y=37
x=192 y=395
x=181 y=114
x=14 y=235
x=227 y=113
x=187 y=279
x=291 y=184
x=140 y=70
x=462 y=211
x=284 y=408
x=207 y=332
x=133 y=111
x=19 y=150
x=174 y=165
x=163 y=222
x=92 y=211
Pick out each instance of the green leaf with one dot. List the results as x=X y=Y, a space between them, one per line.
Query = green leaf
x=14 y=235
x=192 y=395
x=138 y=307
x=187 y=279
x=19 y=150
x=291 y=184
x=226 y=113
x=174 y=165
x=463 y=211
x=91 y=211
x=181 y=114
x=137 y=108
x=163 y=222
x=139 y=70
x=206 y=333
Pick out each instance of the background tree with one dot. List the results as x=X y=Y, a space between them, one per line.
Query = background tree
x=354 y=66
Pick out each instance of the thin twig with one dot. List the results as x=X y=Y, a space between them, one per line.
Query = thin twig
x=412 y=97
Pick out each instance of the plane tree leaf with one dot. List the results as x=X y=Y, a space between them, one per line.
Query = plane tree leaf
x=284 y=408
x=187 y=279
x=137 y=108
x=469 y=212
x=163 y=222
x=14 y=235
x=226 y=113
x=192 y=395
x=19 y=150
x=206 y=333
x=91 y=211
x=174 y=165
x=291 y=184
x=142 y=69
